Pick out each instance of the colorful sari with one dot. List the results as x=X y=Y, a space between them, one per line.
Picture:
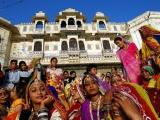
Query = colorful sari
x=12 y=114
x=130 y=61
x=140 y=97
x=56 y=110
x=150 y=42
x=99 y=113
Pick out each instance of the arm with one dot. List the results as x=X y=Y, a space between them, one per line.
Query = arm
x=25 y=73
x=131 y=111
x=18 y=108
x=43 y=114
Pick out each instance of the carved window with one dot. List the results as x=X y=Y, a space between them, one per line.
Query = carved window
x=55 y=47
x=29 y=48
x=89 y=47
x=73 y=44
x=81 y=45
x=106 y=45
x=63 y=24
x=97 y=47
x=115 y=28
x=47 y=47
x=24 y=28
x=39 y=25
x=79 y=24
x=38 y=46
x=71 y=21
x=102 y=25
x=64 y=45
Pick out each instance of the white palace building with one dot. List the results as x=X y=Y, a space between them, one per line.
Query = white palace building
x=70 y=38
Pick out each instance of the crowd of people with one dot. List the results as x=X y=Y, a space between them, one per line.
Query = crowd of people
x=33 y=92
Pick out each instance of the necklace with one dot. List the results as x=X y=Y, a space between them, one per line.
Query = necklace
x=98 y=108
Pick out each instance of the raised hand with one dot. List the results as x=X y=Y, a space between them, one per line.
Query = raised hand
x=47 y=101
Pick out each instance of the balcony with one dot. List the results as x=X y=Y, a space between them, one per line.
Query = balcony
x=35 y=54
x=72 y=27
x=39 y=31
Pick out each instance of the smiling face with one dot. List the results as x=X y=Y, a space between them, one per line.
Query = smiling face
x=120 y=43
x=37 y=92
x=91 y=86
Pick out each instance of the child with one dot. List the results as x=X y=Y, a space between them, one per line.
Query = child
x=17 y=97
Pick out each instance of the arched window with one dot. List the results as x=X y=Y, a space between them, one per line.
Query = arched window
x=64 y=45
x=71 y=21
x=81 y=45
x=106 y=45
x=24 y=28
x=79 y=24
x=73 y=44
x=102 y=25
x=115 y=28
x=63 y=24
x=38 y=46
x=39 y=25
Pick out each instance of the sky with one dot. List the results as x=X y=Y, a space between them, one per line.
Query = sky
x=22 y=11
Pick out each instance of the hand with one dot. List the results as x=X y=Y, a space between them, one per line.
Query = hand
x=131 y=110
x=47 y=101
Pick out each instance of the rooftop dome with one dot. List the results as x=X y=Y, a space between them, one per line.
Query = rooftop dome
x=100 y=14
x=70 y=10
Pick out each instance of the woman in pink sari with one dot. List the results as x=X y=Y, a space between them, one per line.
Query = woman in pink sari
x=128 y=55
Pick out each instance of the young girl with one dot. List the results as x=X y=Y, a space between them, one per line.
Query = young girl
x=41 y=104
x=17 y=97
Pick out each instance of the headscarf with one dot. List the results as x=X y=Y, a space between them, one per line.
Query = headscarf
x=103 y=87
x=148 y=69
x=140 y=97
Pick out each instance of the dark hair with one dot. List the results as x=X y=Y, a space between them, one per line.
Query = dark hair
x=53 y=58
x=21 y=62
x=13 y=61
x=88 y=75
x=72 y=72
x=20 y=89
x=65 y=71
x=90 y=66
x=115 y=68
x=118 y=39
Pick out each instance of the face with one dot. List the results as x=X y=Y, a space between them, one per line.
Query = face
x=91 y=86
x=116 y=80
x=107 y=79
x=3 y=96
x=23 y=66
x=93 y=71
x=146 y=74
x=73 y=75
x=37 y=92
x=119 y=43
x=113 y=71
x=65 y=75
x=13 y=65
x=54 y=63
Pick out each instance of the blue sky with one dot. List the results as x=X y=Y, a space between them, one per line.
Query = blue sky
x=20 y=11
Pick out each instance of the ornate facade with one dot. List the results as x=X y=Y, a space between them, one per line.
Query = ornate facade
x=72 y=40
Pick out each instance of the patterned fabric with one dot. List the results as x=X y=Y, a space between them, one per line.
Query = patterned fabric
x=14 y=104
x=139 y=96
